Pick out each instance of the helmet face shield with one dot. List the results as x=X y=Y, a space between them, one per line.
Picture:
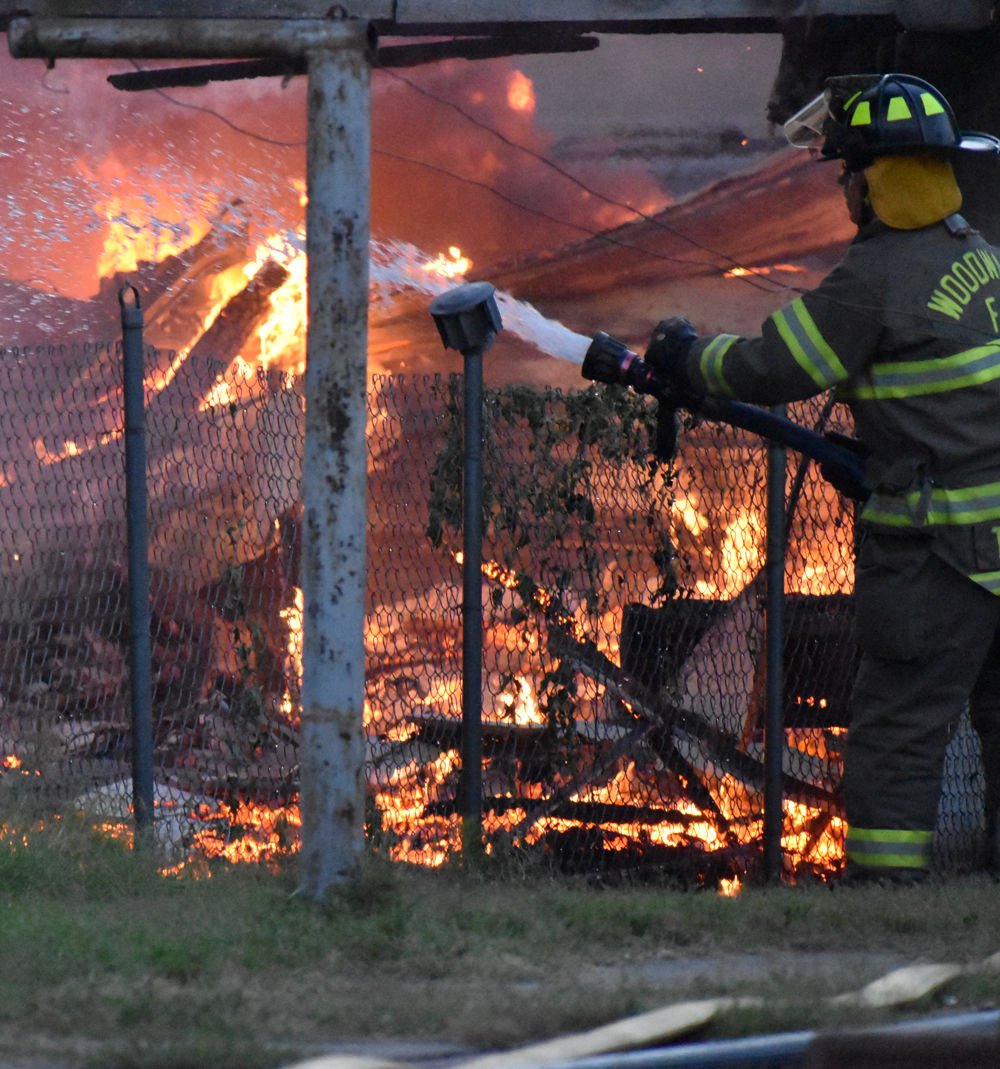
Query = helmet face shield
x=975 y=142
x=807 y=127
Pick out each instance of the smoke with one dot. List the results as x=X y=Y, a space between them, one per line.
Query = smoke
x=476 y=189
x=74 y=152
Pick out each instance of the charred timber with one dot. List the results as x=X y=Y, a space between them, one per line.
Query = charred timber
x=498 y=736
x=593 y=813
x=593 y=850
x=241 y=315
x=389 y=56
x=678 y=724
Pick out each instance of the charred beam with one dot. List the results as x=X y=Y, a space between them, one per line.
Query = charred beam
x=204 y=74
x=598 y=813
x=387 y=56
x=241 y=315
x=681 y=724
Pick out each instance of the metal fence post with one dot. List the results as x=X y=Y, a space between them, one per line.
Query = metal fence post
x=140 y=671
x=472 y=605
x=774 y=742
x=334 y=465
x=468 y=319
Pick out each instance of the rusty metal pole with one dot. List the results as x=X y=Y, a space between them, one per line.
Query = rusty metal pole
x=334 y=467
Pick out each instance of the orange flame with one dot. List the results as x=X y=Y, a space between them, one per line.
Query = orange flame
x=520 y=92
x=450 y=265
x=764 y=269
x=292 y=615
x=142 y=227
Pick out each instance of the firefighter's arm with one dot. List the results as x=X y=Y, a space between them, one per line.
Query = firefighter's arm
x=816 y=342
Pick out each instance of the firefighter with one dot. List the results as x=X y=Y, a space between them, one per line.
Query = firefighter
x=906 y=330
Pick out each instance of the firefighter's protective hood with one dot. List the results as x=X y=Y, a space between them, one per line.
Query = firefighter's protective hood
x=909 y=192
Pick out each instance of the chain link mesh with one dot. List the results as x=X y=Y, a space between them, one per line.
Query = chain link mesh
x=623 y=673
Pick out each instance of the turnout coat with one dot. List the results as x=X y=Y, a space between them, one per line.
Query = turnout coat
x=906 y=330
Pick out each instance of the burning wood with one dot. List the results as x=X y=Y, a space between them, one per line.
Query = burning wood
x=636 y=775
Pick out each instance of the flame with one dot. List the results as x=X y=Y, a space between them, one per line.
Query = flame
x=47 y=456
x=424 y=840
x=248 y=831
x=142 y=226
x=520 y=92
x=812 y=837
x=227 y=387
x=262 y=832
x=522 y=707
x=694 y=520
x=741 y=555
x=765 y=269
x=12 y=761
x=543 y=598
x=449 y=266
x=292 y=615
x=282 y=335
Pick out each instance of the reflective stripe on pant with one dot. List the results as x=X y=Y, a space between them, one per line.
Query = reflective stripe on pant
x=889 y=848
x=926 y=634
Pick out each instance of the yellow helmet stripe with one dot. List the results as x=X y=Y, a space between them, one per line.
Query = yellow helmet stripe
x=932 y=106
x=862 y=114
x=898 y=109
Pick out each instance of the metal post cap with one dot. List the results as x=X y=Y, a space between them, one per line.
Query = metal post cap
x=467 y=317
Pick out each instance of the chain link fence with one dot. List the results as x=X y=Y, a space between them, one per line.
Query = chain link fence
x=624 y=680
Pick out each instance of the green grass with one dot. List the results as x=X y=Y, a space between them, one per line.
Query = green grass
x=109 y=964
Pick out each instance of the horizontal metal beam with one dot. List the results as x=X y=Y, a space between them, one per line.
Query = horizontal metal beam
x=625 y=11
x=408 y=17
x=108 y=38
x=411 y=55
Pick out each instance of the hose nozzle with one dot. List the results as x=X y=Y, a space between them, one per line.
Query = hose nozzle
x=611 y=361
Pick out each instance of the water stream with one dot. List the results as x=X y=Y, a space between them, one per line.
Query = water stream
x=397 y=267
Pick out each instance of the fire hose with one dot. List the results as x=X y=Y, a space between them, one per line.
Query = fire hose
x=840 y=459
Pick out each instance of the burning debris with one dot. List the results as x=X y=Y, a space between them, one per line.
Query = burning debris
x=599 y=752
x=587 y=760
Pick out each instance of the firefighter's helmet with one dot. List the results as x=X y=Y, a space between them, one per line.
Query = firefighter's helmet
x=861 y=117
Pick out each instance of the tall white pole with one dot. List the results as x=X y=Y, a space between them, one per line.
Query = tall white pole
x=334 y=467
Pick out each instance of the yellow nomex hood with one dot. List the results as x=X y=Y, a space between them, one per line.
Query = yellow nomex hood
x=909 y=192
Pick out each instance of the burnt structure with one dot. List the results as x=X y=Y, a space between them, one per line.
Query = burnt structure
x=337 y=47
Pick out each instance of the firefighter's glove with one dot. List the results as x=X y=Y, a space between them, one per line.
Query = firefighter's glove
x=669 y=345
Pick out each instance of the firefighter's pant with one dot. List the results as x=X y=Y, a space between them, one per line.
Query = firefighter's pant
x=928 y=638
